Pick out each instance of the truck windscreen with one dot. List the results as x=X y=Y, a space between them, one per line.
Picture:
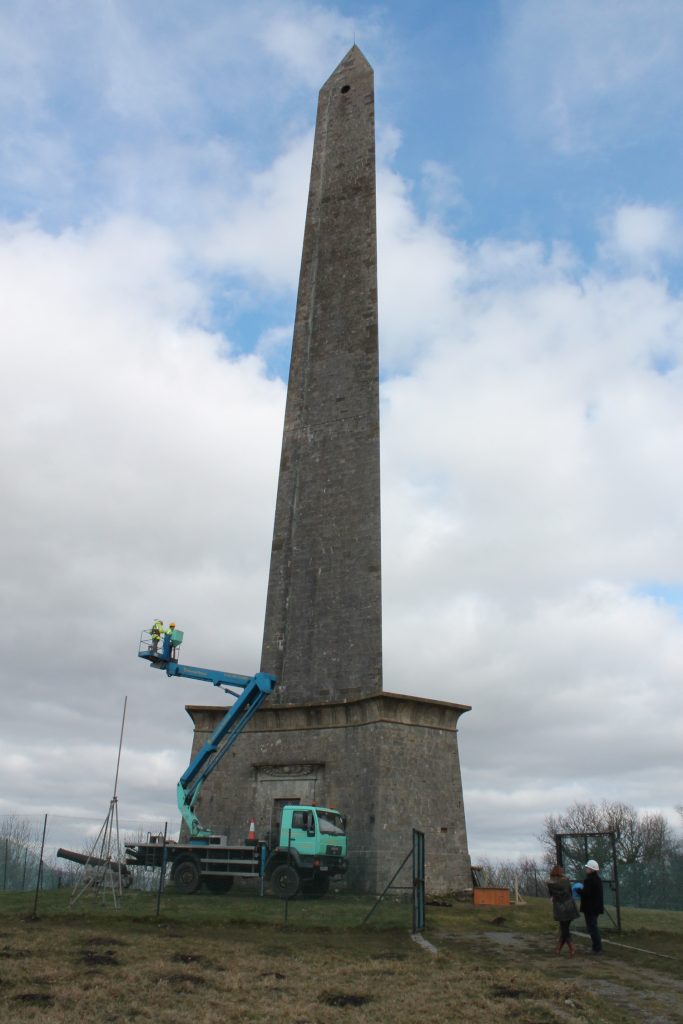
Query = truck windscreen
x=331 y=824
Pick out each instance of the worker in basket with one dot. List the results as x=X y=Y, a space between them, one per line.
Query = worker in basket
x=169 y=644
x=155 y=633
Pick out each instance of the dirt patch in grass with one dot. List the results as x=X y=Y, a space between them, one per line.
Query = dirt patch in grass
x=343 y=999
x=8 y=953
x=179 y=979
x=510 y=992
x=34 y=998
x=92 y=959
x=188 y=958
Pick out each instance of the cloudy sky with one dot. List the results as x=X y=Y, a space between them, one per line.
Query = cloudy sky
x=154 y=166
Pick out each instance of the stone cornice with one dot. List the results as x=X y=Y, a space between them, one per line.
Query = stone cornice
x=382 y=707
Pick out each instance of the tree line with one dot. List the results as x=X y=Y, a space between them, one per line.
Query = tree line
x=649 y=854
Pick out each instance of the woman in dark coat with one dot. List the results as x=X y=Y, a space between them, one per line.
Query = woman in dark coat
x=564 y=908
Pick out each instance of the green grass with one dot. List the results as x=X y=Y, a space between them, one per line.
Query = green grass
x=207 y=909
x=234 y=958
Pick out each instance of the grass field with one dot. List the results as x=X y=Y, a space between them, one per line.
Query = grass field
x=234 y=959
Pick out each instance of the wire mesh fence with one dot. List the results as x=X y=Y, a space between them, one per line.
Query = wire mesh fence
x=649 y=882
x=21 y=864
x=652 y=882
x=43 y=854
x=21 y=868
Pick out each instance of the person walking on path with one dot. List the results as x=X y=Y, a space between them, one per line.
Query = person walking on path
x=564 y=908
x=592 y=903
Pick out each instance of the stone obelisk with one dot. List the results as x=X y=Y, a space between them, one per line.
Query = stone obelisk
x=323 y=626
x=330 y=733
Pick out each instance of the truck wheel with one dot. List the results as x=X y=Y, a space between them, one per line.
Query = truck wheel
x=316 y=887
x=186 y=876
x=216 y=884
x=285 y=881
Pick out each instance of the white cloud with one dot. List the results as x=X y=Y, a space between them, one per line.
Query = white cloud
x=132 y=455
x=527 y=495
x=275 y=341
x=116 y=107
x=418 y=269
x=442 y=187
x=309 y=41
x=261 y=236
x=638 y=235
x=583 y=72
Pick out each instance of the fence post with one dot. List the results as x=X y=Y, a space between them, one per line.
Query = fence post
x=4 y=881
x=262 y=867
x=418 y=881
x=558 y=850
x=39 y=876
x=162 y=873
x=617 y=897
x=289 y=861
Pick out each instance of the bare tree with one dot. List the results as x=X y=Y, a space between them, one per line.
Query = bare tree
x=527 y=873
x=639 y=836
x=19 y=848
x=648 y=853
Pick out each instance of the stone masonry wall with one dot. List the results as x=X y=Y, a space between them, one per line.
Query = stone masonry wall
x=322 y=636
x=373 y=759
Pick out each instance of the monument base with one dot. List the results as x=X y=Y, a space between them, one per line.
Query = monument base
x=389 y=763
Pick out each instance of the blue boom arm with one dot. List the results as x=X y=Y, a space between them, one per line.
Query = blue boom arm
x=254 y=689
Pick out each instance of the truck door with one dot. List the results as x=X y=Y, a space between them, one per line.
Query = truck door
x=304 y=837
x=276 y=818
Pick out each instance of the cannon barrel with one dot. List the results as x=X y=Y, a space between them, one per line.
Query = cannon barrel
x=84 y=858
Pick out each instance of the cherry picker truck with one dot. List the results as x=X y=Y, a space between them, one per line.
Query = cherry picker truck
x=310 y=847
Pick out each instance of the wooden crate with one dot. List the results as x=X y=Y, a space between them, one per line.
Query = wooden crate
x=489 y=897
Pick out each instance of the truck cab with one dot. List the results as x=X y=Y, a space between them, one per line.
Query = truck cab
x=311 y=850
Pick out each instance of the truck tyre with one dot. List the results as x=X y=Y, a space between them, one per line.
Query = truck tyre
x=285 y=881
x=214 y=883
x=316 y=887
x=186 y=876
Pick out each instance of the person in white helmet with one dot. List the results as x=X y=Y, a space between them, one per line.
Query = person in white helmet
x=592 y=903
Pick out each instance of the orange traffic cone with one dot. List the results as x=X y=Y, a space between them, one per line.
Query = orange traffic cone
x=251 y=838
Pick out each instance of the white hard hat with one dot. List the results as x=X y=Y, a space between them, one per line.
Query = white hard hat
x=592 y=865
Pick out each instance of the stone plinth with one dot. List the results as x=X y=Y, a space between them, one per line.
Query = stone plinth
x=388 y=762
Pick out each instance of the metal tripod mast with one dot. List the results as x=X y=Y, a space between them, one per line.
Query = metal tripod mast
x=102 y=872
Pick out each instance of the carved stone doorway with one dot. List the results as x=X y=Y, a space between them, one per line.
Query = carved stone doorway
x=278 y=785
